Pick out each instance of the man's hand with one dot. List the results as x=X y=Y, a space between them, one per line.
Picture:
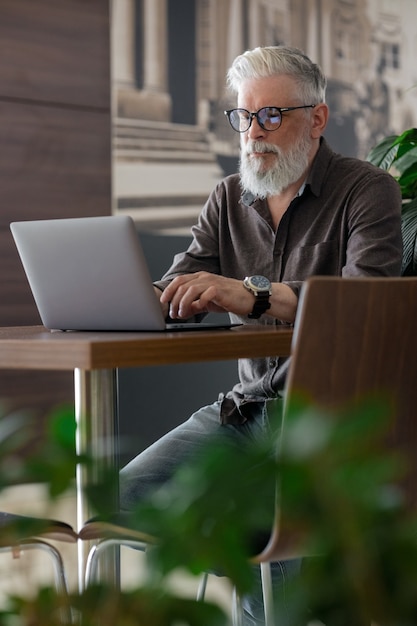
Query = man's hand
x=203 y=292
x=164 y=306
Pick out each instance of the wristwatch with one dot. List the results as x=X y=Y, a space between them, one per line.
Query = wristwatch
x=261 y=289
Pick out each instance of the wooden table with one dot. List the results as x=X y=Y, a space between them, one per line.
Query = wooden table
x=95 y=357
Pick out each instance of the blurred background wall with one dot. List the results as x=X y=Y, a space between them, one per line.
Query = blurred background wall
x=55 y=148
x=172 y=142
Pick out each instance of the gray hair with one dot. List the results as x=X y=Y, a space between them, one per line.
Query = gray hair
x=263 y=62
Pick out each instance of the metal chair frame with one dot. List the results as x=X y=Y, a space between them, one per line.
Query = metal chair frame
x=54 y=530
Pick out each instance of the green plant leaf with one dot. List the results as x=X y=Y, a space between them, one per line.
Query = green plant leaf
x=408 y=136
x=408 y=177
x=384 y=153
x=107 y=606
x=149 y=606
x=406 y=157
x=409 y=236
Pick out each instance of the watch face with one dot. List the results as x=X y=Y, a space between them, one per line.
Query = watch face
x=260 y=282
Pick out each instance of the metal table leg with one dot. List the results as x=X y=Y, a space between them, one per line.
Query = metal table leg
x=97 y=435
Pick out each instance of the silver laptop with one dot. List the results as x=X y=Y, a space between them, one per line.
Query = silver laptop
x=90 y=273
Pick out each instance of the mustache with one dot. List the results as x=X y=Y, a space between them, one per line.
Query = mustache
x=261 y=147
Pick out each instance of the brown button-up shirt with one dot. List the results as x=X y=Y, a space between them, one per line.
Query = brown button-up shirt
x=346 y=222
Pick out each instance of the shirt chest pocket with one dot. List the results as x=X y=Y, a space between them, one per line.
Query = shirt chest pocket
x=319 y=259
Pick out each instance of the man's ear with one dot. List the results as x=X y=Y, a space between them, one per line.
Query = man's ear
x=319 y=119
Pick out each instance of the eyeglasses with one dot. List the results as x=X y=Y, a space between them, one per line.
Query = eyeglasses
x=268 y=118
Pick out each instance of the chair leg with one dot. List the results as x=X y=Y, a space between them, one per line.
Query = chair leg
x=57 y=562
x=201 y=592
x=97 y=550
x=267 y=593
x=58 y=566
x=237 y=610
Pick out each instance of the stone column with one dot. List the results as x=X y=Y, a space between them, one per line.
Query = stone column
x=255 y=37
x=313 y=44
x=155 y=97
x=235 y=27
x=155 y=49
x=123 y=44
x=152 y=102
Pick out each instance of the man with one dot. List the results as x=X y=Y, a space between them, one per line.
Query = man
x=294 y=210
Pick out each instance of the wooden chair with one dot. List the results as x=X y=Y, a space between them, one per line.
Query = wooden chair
x=352 y=337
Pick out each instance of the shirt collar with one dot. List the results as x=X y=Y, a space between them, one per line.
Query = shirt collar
x=301 y=190
x=319 y=167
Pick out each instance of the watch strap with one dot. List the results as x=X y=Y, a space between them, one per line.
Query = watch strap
x=261 y=305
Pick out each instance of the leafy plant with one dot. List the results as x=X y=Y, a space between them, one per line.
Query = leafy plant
x=53 y=462
x=339 y=479
x=106 y=606
x=336 y=483
x=397 y=154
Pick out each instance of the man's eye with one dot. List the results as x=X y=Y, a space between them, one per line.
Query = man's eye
x=273 y=115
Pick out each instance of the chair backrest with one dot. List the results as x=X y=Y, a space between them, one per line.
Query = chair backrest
x=357 y=337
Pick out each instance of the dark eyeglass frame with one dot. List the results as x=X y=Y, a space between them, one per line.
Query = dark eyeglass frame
x=261 y=122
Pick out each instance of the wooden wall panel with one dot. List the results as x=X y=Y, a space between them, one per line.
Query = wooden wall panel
x=55 y=158
x=54 y=162
x=56 y=51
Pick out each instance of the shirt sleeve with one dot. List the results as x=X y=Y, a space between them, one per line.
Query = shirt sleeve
x=367 y=230
x=374 y=246
x=203 y=251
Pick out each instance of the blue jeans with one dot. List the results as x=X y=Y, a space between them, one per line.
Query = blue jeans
x=156 y=465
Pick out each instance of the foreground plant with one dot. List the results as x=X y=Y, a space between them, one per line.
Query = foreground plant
x=337 y=484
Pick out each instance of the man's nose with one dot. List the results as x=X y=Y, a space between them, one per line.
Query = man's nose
x=255 y=130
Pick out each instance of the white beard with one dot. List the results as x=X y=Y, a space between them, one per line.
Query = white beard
x=287 y=168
